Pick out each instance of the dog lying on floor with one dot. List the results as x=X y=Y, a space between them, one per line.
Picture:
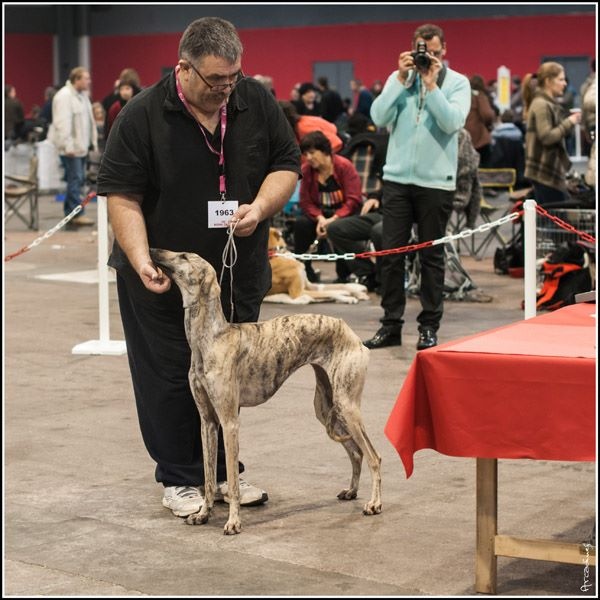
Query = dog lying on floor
x=290 y=285
x=235 y=365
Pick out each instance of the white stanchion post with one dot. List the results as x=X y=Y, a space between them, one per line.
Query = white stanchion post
x=530 y=248
x=104 y=345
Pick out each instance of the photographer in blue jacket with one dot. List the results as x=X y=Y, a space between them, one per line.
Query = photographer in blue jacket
x=424 y=104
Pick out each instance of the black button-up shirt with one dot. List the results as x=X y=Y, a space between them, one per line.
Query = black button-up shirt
x=156 y=149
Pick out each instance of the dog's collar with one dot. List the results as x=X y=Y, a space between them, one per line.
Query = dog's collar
x=272 y=251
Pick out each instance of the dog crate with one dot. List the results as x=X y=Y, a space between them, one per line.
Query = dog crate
x=549 y=235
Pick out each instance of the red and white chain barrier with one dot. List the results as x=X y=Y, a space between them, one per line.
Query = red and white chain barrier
x=465 y=233
x=103 y=345
x=52 y=231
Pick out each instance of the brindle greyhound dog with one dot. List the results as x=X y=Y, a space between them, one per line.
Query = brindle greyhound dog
x=235 y=365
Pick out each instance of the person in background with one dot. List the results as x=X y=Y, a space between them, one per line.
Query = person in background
x=468 y=194
x=588 y=117
x=508 y=149
x=73 y=132
x=267 y=81
x=163 y=176
x=546 y=158
x=567 y=102
x=332 y=106
x=14 y=116
x=302 y=125
x=427 y=105
x=480 y=120
x=46 y=112
x=362 y=98
x=376 y=88
x=330 y=190
x=528 y=87
x=95 y=156
x=99 y=119
x=506 y=128
x=128 y=74
x=307 y=103
x=127 y=90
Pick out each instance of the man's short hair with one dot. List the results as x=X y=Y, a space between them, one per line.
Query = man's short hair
x=508 y=116
x=316 y=140
x=77 y=73
x=429 y=31
x=210 y=36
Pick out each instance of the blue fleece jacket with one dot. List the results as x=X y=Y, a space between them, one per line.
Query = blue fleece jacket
x=424 y=126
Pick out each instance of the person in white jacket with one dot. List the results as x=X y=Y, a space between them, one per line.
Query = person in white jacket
x=73 y=132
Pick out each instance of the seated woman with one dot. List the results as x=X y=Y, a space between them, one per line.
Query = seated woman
x=330 y=190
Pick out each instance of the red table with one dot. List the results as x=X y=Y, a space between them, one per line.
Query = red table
x=526 y=390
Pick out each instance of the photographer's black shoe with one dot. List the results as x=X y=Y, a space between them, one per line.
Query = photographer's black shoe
x=427 y=339
x=386 y=336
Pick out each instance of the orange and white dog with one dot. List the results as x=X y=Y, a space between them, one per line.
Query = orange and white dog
x=290 y=285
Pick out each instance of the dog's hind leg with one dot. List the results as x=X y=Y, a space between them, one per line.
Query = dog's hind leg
x=336 y=431
x=353 y=422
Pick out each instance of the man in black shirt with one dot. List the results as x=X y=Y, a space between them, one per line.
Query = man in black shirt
x=201 y=142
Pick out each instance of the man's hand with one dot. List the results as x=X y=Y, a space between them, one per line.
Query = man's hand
x=430 y=77
x=369 y=205
x=154 y=279
x=248 y=216
x=405 y=64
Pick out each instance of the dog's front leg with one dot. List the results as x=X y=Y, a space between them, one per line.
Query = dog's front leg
x=232 y=449
x=209 y=426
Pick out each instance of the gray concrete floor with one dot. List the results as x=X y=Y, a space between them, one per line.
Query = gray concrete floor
x=83 y=515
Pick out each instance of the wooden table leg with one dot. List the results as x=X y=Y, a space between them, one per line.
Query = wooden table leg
x=487 y=525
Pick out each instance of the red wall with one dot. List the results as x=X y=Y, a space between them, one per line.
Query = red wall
x=474 y=46
x=28 y=66
x=287 y=55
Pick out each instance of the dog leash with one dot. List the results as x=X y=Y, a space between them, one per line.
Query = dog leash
x=229 y=258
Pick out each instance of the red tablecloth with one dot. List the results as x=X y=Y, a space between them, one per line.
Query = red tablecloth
x=526 y=390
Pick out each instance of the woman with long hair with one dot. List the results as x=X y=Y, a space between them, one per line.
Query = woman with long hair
x=547 y=160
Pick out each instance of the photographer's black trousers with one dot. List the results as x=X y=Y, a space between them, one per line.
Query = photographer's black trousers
x=430 y=209
x=159 y=360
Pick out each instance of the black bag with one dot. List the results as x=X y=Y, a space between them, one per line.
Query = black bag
x=509 y=259
x=566 y=273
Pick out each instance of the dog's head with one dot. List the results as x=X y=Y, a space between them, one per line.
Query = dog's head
x=276 y=241
x=190 y=272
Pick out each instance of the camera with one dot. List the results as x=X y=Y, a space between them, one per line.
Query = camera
x=422 y=61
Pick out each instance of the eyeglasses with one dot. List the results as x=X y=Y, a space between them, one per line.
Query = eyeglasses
x=219 y=87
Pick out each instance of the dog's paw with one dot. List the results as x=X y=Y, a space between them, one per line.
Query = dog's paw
x=346 y=299
x=197 y=518
x=347 y=495
x=232 y=527
x=372 y=508
x=358 y=289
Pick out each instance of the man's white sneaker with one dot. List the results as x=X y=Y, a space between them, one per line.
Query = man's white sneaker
x=249 y=494
x=183 y=500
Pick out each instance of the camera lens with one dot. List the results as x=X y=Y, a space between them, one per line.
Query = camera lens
x=422 y=61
